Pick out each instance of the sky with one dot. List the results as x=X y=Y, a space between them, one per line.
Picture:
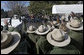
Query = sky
x=3 y=6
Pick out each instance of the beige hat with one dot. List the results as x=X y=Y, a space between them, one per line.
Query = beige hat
x=9 y=41
x=54 y=22
x=58 y=38
x=31 y=29
x=75 y=23
x=42 y=30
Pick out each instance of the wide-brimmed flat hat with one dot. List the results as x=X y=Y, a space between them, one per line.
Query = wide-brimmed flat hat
x=75 y=25
x=58 y=38
x=31 y=29
x=72 y=28
x=42 y=29
x=9 y=41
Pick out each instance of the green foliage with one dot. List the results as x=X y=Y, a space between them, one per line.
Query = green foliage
x=16 y=7
x=37 y=7
x=4 y=14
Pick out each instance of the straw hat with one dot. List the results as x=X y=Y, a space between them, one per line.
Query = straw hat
x=42 y=30
x=75 y=23
x=31 y=29
x=9 y=41
x=72 y=28
x=58 y=38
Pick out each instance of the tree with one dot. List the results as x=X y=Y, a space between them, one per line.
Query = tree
x=16 y=7
x=4 y=14
x=45 y=7
x=39 y=7
x=10 y=13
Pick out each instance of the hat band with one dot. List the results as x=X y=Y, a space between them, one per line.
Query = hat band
x=31 y=30
x=74 y=27
x=56 y=40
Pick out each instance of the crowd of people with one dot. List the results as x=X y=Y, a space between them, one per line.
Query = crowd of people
x=57 y=29
x=40 y=18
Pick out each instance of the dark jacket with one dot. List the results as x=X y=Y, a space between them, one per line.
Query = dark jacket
x=1 y=27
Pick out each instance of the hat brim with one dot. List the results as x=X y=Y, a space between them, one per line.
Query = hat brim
x=28 y=31
x=82 y=20
x=14 y=44
x=68 y=26
x=56 y=24
x=43 y=33
x=58 y=44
